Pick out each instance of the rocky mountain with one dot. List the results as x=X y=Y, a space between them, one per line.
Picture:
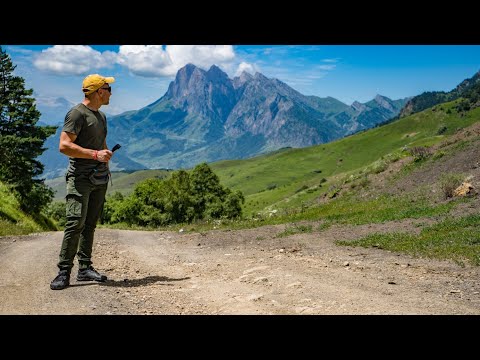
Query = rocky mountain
x=52 y=109
x=206 y=116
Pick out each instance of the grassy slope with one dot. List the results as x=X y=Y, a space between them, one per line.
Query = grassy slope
x=13 y=221
x=292 y=169
x=288 y=171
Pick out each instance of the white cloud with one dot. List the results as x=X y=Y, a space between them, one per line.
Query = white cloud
x=249 y=68
x=326 y=67
x=145 y=60
x=73 y=59
x=330 y=60
x=156 y=61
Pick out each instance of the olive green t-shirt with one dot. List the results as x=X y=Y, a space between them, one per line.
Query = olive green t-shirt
x=91 y=130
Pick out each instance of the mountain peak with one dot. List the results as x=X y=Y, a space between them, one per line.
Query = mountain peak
x=384 y=102
x=215 y=74
x=358 y=106
x=260 y=76
x=187 y=68
x=242 y=79
x=244 y=76
x=184 y=73
x=215 y=68
x=379 y=97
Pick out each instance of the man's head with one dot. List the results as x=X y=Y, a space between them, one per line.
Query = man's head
x=94 y=82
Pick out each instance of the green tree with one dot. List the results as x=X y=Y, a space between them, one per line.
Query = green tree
x=212 y=200
x=21 y=140
x=179 y=201
x=207 y=192
x=182 y=198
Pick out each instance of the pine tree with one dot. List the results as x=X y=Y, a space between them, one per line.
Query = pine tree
x=21 y=140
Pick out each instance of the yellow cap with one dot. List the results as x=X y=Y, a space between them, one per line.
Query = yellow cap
x=94 y=82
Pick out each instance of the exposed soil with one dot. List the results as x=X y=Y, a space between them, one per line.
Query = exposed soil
x=236 y=272
x=254 y=271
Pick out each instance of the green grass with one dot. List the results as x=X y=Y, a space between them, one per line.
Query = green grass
x=348 y=210
x=291 y=169
x=355 y=211
x=272 y=181
x=13 y=221
x=456 y=239
x=292 y=181
x=295 y=229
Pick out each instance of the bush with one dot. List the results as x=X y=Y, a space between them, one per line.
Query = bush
x=441 y=130
x=271 y=186
x=449 y=182
x=182 y=198
x=57 y=211
x=419 y=152
x=303 y=187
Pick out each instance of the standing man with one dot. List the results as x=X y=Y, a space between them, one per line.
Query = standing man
x=83 y=140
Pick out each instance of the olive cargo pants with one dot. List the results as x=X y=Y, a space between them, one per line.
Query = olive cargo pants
x=84 y=202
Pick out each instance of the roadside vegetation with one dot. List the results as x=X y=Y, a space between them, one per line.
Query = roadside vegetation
x=327 y=197
x=14 y=221
x=370 y=177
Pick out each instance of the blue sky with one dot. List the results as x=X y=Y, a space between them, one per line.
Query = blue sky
x=346 y=72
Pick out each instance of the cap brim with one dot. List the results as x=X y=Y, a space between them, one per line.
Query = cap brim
x=109 y=79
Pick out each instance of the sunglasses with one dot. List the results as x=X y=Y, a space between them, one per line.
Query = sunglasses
x=109 y=88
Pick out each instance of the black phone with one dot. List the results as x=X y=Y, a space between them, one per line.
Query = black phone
x=116 y=147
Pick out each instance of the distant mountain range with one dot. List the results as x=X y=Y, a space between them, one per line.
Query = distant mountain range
x=206 y=116
x=52 y=109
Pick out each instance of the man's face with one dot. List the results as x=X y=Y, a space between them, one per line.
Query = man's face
x=104 y=92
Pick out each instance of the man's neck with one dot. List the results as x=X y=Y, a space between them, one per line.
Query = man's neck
x=91 y=105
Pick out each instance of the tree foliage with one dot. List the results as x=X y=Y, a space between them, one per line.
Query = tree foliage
x=182 y=198
x=21 y=140
x=469 y=90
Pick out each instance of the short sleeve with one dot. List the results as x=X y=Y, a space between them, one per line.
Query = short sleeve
x=73 y=122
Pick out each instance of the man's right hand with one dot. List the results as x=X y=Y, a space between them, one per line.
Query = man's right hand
x=104 y=155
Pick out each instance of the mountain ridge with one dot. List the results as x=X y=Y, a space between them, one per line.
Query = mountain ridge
x=205 y=116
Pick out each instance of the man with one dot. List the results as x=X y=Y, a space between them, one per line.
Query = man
x=83 y=139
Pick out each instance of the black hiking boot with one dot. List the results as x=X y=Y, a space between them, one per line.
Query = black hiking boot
x=61 y=281
x=90 y=274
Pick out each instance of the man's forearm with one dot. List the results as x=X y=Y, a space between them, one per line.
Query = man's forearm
x=73 y=150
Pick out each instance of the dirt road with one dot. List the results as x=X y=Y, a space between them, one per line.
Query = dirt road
x=235 y=272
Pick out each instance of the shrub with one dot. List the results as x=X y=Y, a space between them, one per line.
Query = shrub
x=303 y=187
x=419 y=152
x=57 y=211
x=271 y=186
x=449 y=182
x=441 y=130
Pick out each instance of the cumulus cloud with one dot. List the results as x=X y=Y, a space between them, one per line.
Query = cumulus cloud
x=157 y=61
x=73 y=59
x=145 y=60
x=249 y=68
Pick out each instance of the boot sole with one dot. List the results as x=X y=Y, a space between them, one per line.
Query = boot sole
x=59 y=288
x=89 y=279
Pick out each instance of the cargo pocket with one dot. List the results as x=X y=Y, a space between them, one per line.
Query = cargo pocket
x=73 y=206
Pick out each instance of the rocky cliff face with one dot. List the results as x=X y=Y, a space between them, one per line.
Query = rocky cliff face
x=206 y=116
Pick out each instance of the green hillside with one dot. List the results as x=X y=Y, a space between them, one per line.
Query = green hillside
x=276 y=180
x=13 y=221
x=367 y=178
x=295 y=177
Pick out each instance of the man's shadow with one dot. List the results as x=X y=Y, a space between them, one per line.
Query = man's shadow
x=127 y=283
